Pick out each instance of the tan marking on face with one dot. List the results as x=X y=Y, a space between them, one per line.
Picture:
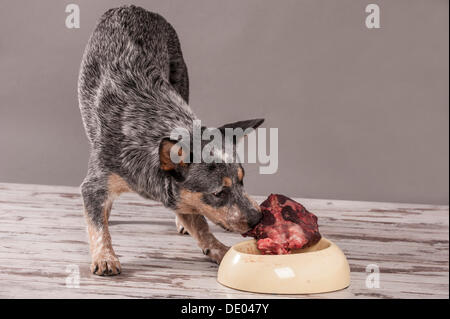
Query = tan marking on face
x=227 y=182
x=240 y=174
x=229 y=217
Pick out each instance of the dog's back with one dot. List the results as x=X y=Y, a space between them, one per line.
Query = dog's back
x=132 y=54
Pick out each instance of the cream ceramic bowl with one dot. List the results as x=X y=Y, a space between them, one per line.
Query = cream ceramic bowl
x=319 y=268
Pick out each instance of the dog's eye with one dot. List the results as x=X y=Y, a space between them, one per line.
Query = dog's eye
x=218 y=194
x=222 y=193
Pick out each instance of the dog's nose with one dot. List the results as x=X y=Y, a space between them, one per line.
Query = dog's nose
x=254 y=218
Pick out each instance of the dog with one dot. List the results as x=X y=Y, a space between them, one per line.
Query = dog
x=133 y=90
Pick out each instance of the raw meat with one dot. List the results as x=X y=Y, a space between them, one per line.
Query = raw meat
x=285 y=225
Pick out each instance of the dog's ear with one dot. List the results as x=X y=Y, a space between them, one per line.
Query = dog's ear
x=247 y=127
x=171 y=155
x=252 y=124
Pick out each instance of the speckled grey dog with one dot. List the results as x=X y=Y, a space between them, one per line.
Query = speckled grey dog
x=133 y=91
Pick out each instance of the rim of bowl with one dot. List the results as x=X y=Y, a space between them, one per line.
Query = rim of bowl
x=327 y=241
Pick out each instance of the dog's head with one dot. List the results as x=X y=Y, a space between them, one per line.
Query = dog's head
x=213 y=189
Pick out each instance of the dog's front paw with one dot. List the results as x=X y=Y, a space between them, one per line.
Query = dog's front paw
x=106 y=265
x=216 y=253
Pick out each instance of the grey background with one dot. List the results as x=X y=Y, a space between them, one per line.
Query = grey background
x=362 y=114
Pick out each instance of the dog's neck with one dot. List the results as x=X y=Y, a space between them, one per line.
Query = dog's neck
x=148 y=121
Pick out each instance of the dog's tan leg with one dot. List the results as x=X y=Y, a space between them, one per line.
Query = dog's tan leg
x=98 y=199
x=198 y=228
x=104 y=259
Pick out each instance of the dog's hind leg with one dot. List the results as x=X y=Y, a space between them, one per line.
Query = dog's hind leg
x=98 y=192
x=198 y=228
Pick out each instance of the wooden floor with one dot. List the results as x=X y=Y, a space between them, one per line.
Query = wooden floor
x=43 y=246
